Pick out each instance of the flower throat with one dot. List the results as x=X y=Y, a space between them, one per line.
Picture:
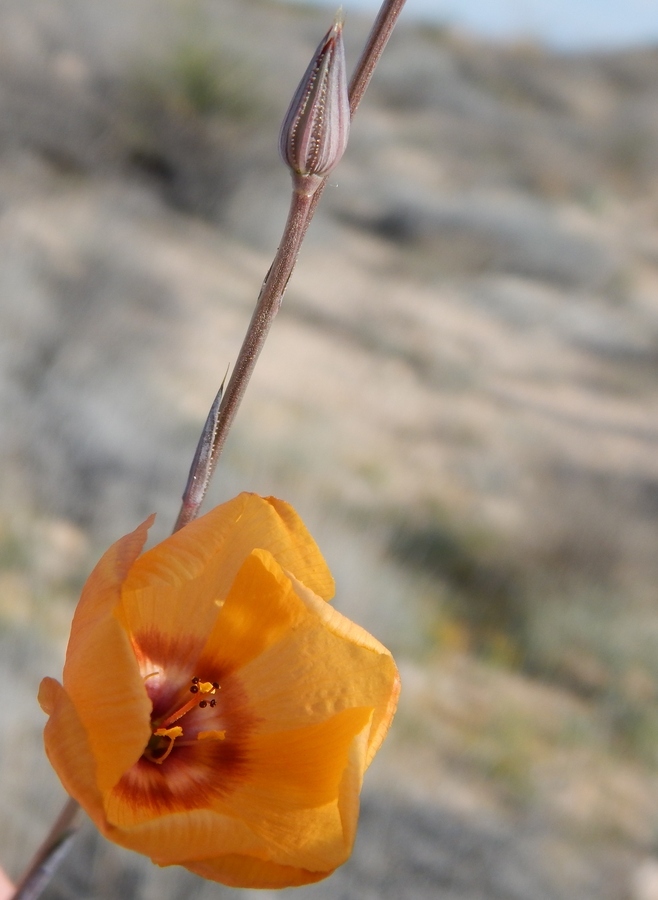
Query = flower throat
x=165 y=732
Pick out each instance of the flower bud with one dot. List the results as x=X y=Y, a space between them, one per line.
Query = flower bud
x=316 y=127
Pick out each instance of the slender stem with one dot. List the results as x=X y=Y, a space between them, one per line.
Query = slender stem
x=49 y=854
x=268 y=305
x=377 y=41
x=302 y=209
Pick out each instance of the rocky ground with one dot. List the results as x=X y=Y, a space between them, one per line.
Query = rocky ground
x=459 y=396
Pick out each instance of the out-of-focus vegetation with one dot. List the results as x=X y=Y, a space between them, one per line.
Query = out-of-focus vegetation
x=186 y=118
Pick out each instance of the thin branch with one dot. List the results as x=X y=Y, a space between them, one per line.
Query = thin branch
x=302 y=209
x=50 y=854
x=269 y=303
x=377 y=40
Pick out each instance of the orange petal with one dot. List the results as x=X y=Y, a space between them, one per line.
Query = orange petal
x=323 y=665
x=298 y=553
x=380 y=679
x=349 y=790
x=260 y=610
x=68 y=750
x=101 y=675
x=185 y=837
x=246 y=872
x=174 y=591
x=293 y=794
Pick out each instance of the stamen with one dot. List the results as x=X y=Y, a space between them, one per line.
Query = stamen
x=161 y=742
x=198 y=687
x=211 y=736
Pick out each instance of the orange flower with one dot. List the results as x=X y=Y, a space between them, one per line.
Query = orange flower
x=215 y=712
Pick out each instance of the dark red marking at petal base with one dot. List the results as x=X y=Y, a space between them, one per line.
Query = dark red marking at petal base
x=195 y=774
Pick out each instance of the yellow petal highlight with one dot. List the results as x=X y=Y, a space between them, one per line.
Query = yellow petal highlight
x=349 y=790
x=260 y=610
x=101 y=675
x=380 y=680
x=297 y=552
x=294 y=680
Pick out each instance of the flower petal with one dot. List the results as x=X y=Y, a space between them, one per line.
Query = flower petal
x=189 y=837
x=101 y=675
x=271 y=797
x=241 y=871
x=349 y=791
x=294 y=682
x=68 y=750
x=293 y=795
x=260 y=610
x=174 y=591
x=380 y=681
x=297 y=552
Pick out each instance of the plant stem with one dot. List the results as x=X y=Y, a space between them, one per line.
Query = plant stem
x=50 y=853
x=377 y=40
x=268 y=305
x=302 y=209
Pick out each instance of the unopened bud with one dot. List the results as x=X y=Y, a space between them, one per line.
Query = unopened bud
x=316 y=127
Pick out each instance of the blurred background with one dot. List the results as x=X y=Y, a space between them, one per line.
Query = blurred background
x=459 y=396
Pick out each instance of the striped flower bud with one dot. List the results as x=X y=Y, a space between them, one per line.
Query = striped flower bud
x=316 y=127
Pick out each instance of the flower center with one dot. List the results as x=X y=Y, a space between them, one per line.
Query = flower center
x=165 y=732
